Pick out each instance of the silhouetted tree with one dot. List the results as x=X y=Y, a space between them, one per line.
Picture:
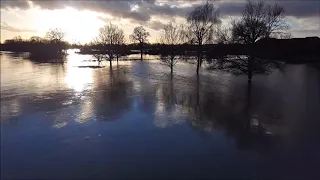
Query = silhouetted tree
x=97 y=54
x=17 y=39
x=56 y=35
x=108 y=37
x=258 y=21
x=222 y=35
x=36 y=39
x=200 y=28
x=56 y=39
x=140 y=36
x=119 y=43
x=170 y=38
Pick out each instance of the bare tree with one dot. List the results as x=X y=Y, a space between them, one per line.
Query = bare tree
x=17 y=39
x=222 y=35
x=56 y=38
x=258 y=21
x=119 y=42
x=36 y=39
x=97 y=51
x=200 y=28
x=139 y=35
x=56 y=35
x=170 y=39
x=109 y=36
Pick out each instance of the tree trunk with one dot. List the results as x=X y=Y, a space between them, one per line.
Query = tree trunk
x=110 y=63
x=199 y=54
x=250 y=63
x=198 y=65
x=197 y=108
x=117 y=58
x=171 y=65
x=141 y=50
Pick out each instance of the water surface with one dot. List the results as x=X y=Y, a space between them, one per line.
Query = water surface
x=136 y=120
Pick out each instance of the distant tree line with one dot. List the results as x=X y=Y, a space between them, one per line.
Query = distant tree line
x=49 y=47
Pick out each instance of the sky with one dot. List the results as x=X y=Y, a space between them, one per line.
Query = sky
x=81 y=19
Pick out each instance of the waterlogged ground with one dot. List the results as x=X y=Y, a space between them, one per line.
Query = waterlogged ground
x=137 y=121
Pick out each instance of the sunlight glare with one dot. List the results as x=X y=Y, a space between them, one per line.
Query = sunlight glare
x=78 y=25
x=79 y=79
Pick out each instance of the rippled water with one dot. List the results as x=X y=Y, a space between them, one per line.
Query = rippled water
x=136 y=120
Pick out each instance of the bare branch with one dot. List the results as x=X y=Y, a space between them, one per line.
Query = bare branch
x=109 y=38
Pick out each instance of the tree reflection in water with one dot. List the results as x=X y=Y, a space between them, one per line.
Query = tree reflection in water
x=235 y=112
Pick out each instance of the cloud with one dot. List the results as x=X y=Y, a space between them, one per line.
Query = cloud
x=20 y=4
x=301 y=8
x=165 y=9
x=148 y=8
x=121 y=8
x=118 y=9
x=5 y=26
x=156 y=25
x=295 y=8
x=143 y=12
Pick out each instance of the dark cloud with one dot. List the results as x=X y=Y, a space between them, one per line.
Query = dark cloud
x=165 y=9
x=21 y=4
x=120 y=9
x=301 y=9
x=136 y=15
x=156 y=25
x=5 y=26
x=231 y=8
x=168 y=8
x=296 y=8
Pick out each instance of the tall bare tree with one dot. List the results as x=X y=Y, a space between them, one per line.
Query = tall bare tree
x=200 y=27
x=170 y=38
x=109 y=36
x=258 y=21
x=56 y=38
x=139 y=35
x=222 y=35
x=56 y=35
x=120 y=39
x=97 y=52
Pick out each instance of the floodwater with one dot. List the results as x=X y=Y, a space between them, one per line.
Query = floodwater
x=137 y=121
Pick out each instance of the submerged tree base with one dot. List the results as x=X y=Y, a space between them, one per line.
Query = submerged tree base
x=94 y=67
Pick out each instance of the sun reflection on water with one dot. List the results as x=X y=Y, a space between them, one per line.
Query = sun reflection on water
x=79 y=79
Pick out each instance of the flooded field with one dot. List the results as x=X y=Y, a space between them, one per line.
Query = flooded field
x=137 y=120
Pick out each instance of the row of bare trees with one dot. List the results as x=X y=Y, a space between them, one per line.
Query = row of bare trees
x=111 y=39
x=258 y=21
x=203 y=27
